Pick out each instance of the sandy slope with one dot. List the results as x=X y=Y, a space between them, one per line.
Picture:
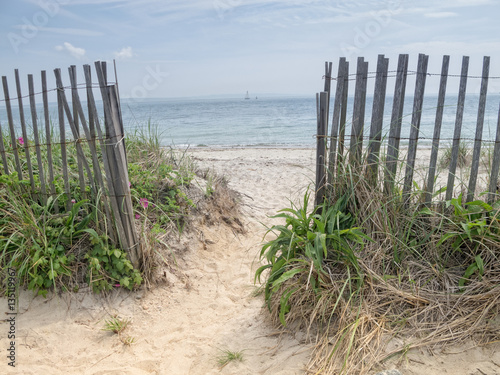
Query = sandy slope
x=181 y=326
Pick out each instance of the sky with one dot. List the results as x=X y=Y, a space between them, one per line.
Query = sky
x=192 y=48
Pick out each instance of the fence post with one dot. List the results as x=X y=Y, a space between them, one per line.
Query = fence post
x=479 y=130
x=41 y=172
x=25 y=144
x=341 y=82
x=437 y=129
x=415 y=124
x=358 y=118
x=458 y=128
x=396 y=121
x=377 y=119
x=322 y=107
x=12 y=131
x=495 y=166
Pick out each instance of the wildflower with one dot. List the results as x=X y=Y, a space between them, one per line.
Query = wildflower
x=21 y=140
x=129 y=184
x=73 y=201
x=144 y=202
x=137 y=216
x=117 y=285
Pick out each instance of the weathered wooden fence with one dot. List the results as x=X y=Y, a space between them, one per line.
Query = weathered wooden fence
x=100 y=155
x=330 y=156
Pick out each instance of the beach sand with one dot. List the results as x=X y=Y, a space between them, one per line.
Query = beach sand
x=206 y=303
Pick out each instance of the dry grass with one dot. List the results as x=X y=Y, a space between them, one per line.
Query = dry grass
x=410 y=286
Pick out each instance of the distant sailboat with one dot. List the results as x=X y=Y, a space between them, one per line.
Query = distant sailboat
x=247 y=96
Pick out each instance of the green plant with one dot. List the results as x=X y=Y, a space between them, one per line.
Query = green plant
x=309 y=241
x=115 y=325
x=108 y=266
x=226 y=356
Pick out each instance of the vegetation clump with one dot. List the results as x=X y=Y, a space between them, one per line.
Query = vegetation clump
x=63 y=244
x=365 y=267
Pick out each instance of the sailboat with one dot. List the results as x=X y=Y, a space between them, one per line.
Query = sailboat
x=247 y=96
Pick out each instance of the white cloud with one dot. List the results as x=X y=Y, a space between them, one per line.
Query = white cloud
x=73 y=51
x=124 y=53
x=441 y=15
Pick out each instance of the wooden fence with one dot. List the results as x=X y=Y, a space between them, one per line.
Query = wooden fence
x=100 y=156
x=328 y=158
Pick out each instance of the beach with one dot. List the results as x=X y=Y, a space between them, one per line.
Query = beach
x=206 y=302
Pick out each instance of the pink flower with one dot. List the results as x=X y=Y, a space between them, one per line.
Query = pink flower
x=73 y=201
x=144 y=202
x=21 y=140
x=137 y=216
x=117 y=285
x=129 y=184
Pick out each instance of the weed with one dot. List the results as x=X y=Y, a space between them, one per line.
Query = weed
x=115 y=325
x=226 y=356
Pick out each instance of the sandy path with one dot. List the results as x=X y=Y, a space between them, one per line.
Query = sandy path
x=181 y=326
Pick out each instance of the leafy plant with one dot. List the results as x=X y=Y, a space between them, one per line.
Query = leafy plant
x=308 y=241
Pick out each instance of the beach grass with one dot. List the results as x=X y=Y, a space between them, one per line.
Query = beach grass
x=365 y=267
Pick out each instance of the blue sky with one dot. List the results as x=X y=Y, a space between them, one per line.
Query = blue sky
x=175 y=48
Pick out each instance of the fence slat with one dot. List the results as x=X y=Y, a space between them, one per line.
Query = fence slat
x=48 y=138
x=122 y=183
x=396 y=121
x=377 y=119
x=418 y=101
x=2 y=152
x=94 y=124
x=458 y=128
x=64 y=157
x=495 y=165
x=41 y=172
x=25 y=143
x=358 y=119
x=322 y=98
x=13 y=139
x=437 y=129
x=328 y=83
x=339 y=91
x=120 y=221
x=74 y=94
x=343 y=116
x=479 y=130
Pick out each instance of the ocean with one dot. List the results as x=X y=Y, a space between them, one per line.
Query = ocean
x=273 y=121
x=285 y=121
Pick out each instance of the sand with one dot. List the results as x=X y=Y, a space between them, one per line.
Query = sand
x=204 y=306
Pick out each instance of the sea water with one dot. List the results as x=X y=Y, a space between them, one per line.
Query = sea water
x=273 y=121
x=288 y=121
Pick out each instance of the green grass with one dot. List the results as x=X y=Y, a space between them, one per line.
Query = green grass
x=348 y=268
x=63 y=241
x=227 y=356
x=115 y=325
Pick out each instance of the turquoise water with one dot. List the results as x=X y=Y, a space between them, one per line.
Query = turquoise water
x=272 y=121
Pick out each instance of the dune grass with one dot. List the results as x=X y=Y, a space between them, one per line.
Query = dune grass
x=366 y=267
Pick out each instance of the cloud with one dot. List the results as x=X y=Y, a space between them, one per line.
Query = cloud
x=441 y=15
x=124 y=53
x=74 y=51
